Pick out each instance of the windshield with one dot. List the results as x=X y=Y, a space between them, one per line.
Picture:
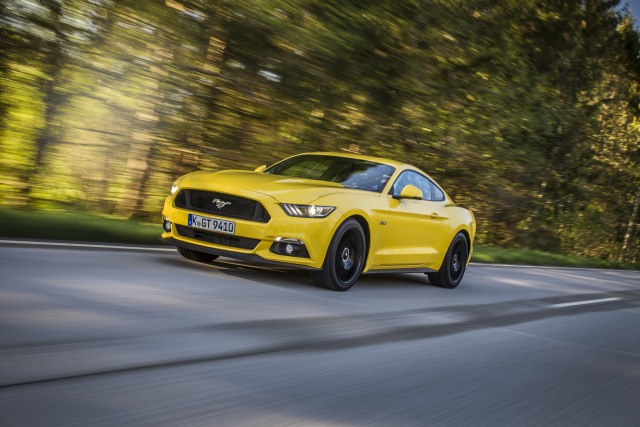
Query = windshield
x=352 y=173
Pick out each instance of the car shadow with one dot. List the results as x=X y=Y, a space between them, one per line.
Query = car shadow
x=286 y=277
x=273 y=276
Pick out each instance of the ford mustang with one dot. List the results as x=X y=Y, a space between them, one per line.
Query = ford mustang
x=338 y=215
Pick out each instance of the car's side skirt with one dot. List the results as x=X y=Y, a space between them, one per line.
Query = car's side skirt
x=401 y=270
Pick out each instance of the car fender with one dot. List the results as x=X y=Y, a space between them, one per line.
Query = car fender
x=369 y=206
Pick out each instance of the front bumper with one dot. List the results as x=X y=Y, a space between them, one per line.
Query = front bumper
x=314 y=232
x=230 y=254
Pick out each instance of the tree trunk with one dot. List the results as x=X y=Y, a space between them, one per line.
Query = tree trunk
x=630 y=226
x=52 y=101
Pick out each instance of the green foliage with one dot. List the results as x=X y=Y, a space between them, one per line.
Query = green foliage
x=527 y=111
x=76 y=226
x=495 y=255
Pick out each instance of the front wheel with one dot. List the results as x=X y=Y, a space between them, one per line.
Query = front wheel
x=454 y=264
x=196 y=255
x=345 y=258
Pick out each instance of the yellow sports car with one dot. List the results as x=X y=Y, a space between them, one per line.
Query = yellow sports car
x=337 y=215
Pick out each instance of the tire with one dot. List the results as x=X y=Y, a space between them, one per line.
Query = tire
x=195 y=255
x=345 y=258
x=454 y=265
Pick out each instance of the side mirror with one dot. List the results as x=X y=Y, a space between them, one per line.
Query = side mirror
x=260 y=169
x=410 y=192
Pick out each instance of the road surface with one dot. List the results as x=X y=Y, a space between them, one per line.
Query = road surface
x=109 y=337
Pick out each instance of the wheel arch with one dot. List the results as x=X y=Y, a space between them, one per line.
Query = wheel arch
x=465 y=233
x=467 y=238
x=367 y=232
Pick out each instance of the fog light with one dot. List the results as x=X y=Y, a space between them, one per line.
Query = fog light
x=289 y=246
x=166 y=225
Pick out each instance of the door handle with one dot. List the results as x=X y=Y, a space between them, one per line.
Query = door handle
x=434 y=215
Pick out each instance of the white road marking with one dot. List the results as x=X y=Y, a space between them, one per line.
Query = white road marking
x=591 y=301
x=86 y=245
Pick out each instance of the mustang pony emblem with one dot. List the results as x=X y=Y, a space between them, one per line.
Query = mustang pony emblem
x=220 y=203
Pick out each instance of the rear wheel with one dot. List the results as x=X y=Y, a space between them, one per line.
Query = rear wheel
x=344 y=260
x=454 y=264
x=196 y=255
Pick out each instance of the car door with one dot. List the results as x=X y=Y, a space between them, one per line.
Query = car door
x=415 y=227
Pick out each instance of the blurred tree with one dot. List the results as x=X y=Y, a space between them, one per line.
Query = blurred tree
x=527 y=110
x=616 y=139
x=4 y=60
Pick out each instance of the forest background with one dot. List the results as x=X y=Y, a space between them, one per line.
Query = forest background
x=526 y=111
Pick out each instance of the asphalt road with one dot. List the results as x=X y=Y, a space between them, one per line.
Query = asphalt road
x=92 y=337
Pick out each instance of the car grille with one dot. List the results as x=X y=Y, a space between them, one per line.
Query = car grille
x=217 y=238
x=235 y=207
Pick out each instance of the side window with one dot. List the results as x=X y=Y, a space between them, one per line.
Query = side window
x=415 y=179
x=436 y=194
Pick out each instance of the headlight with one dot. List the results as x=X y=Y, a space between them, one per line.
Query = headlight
x=174 y=188
x=307 y=211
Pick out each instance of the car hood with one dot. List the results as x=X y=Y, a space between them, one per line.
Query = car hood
x=248 y=183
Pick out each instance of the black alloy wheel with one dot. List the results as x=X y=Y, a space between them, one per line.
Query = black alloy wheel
x=454 y=264
x=345 y=258
x=196 y=255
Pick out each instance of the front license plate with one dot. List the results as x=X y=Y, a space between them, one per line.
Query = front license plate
x=213 y=224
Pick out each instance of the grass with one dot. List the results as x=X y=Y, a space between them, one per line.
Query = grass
x=493 y=255
x=86 y=227
x=81 y=227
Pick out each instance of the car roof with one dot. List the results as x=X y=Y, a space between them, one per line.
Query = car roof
x=383 y=160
